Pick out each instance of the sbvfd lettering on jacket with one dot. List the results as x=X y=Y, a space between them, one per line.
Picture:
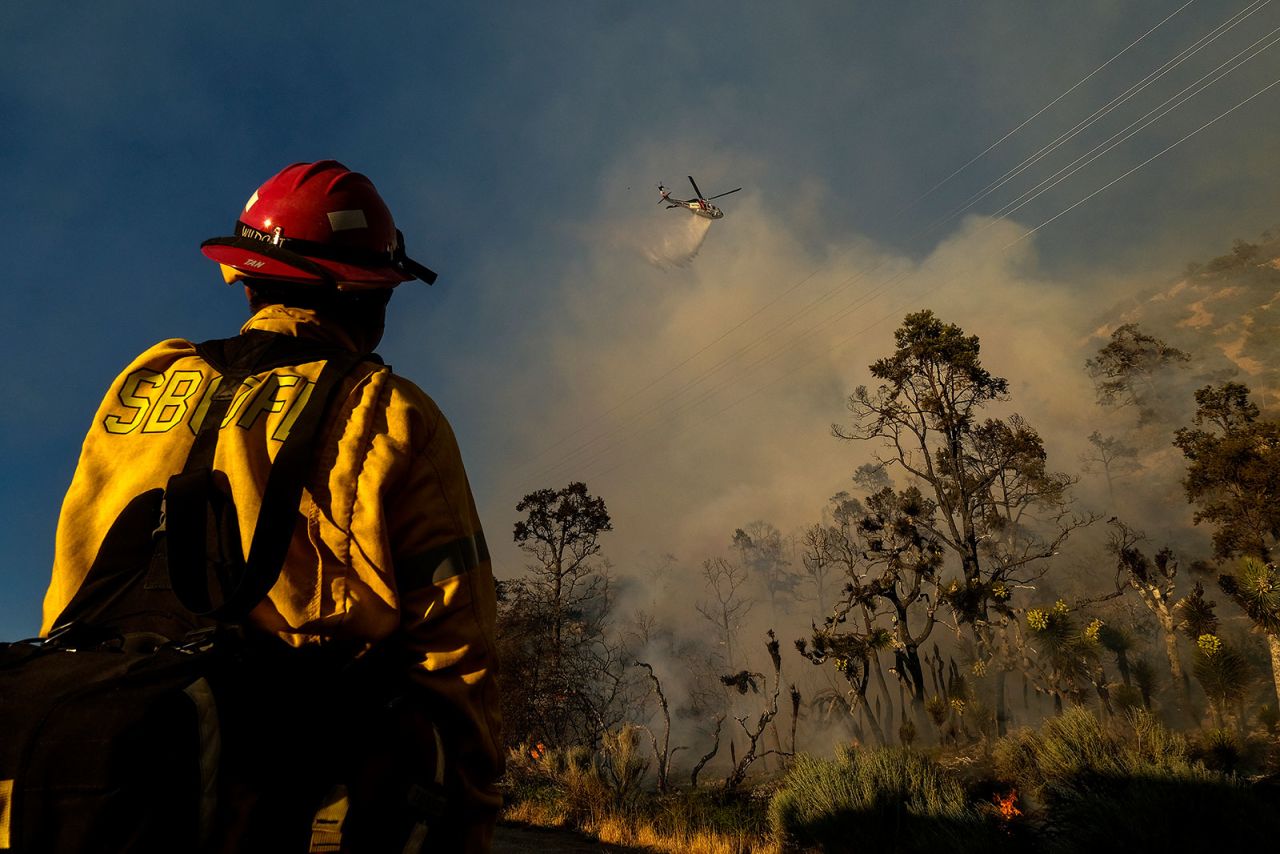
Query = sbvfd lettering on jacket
x=157 y=403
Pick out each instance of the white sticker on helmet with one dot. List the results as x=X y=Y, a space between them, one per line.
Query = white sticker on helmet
x=343 y=220
x=253 y=200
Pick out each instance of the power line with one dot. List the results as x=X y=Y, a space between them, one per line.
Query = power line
x=632 y=395
x=1171 y=103
x=1146 y=120
x=843 y=341
x=1098 y=114
x=1168 y=148
x=1036 y=114
x=632 y=426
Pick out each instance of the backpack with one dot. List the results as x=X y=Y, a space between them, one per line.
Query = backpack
x=152 y=719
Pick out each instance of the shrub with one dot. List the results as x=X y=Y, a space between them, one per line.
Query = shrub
x=568 y=782
x=1141 y=790
x=887 y=799
x=1269 y=718
x=711 y=810
x=1074 y=744
x=622 y=764
x=1227 y=752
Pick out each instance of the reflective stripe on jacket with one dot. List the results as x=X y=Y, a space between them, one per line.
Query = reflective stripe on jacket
x=388 y=540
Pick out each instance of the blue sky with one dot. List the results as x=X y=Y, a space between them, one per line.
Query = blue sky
x=518 y=145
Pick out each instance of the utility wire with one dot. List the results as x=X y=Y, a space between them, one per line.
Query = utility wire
x=1160 y=153
x=1146 y=120
x=1100 y=113
x=861 y=331
x=622 y=402
x=632 y=426
x=1021 y=201
x=1036 y=114
x=1102 y=148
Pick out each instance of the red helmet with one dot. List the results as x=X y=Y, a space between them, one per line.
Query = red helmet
x=318 y=222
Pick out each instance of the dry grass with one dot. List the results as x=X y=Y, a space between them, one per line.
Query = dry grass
x=620 y=831
x=598 y=794
x=616 y=829
x=536 y=814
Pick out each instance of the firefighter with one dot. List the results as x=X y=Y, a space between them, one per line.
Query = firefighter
x=388 y=550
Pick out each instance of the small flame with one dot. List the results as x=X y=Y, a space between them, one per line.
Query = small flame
x=1007 y=805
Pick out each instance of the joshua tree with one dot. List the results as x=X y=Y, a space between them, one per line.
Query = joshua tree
x=742 y=681
x=1256 y=589
x=839 y=548
x=892 y=562
x=852 y=653
x=1155 y=583
x=1119 y=643
x=1224 y=674
x=1066 y=655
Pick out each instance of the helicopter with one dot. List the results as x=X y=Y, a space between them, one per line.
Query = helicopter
x=700 y=205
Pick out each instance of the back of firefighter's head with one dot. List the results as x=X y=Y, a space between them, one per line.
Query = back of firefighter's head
x=318 y=236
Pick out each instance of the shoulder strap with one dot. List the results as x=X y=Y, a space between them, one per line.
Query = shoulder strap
x=190 y=493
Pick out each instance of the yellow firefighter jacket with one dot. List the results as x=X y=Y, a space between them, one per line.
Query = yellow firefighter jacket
x=391 y=542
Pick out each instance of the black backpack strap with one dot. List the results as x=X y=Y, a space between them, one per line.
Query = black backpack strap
x=192 y=539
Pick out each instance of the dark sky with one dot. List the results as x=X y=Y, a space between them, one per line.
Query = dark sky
x=518 y=145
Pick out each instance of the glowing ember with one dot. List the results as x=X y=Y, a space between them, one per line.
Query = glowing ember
x=1007 y=805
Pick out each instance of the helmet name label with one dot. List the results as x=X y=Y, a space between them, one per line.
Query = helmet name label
x=250 y=231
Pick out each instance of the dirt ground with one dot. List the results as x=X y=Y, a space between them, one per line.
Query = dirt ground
x=516 y=839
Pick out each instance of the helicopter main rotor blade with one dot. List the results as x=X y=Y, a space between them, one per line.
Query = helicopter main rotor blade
x=724 y=194
x=695 y=186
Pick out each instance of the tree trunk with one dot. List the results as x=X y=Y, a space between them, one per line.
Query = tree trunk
x=986 y=649
x=1171 y=650
x=1122 y=662
x=911 y=656
x=904 y=715
x=884 y=691
x=1180 y=679
x=1273 y=641
x=873 y=724
x=1002 y=714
